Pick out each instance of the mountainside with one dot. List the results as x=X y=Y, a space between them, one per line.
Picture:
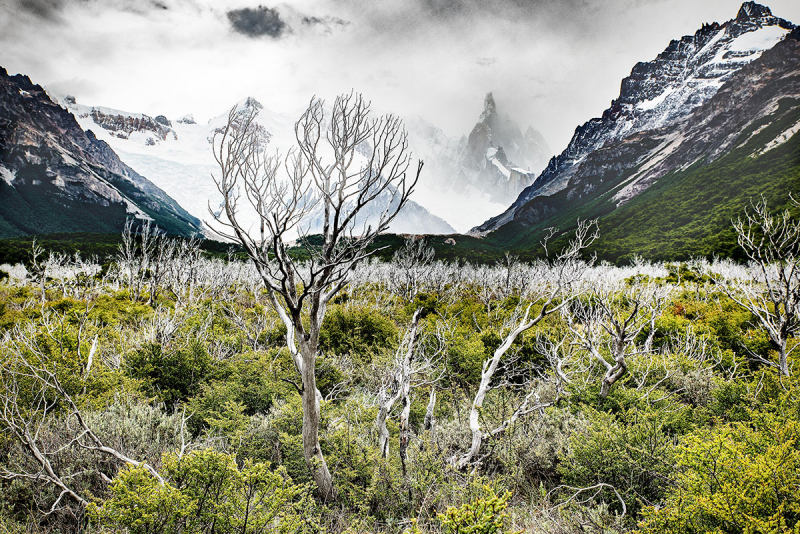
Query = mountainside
x=671 y=192
x=56 y=177
x=658 y=96
x=177 y=156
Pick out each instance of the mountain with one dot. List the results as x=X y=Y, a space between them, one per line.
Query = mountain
x=656 y=105
x=177 y=156
x=56 y=177
x=671 y=192
x=498 y=157
x=478 y=174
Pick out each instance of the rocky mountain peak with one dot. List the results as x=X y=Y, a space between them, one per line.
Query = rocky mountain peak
x=498 y=158
x=659 y=92
x=489 y=107
x=58 y=177
x=753 y=10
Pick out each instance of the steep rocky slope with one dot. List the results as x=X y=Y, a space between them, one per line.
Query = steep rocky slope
x=56 y=177
x=672 y=191
x=657 y=97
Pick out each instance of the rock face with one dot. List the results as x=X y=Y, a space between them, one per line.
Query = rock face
x=498 y=158
x=122 y=124
x=673 y=190
x=56 y=177
x=659 y=94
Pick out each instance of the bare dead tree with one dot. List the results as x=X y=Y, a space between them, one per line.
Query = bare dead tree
x=562 y=357
x=415 y=365
x=135 y=254
x=772 y=293
x=407 y=271
x=514 y=276
x=392 y=389
x=611 y=319
x=565 y=272
x=39 y=267
x=342 y=166
x=183 y=270
x=429 y=422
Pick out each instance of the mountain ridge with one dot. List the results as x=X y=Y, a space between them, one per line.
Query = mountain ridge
x=659 y=92
x=694 y=176
x=57 y=177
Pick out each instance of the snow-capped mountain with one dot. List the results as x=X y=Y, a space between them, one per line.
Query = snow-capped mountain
x=478 y=174
x=56 y=177
x=177 y=155
x=660 y=93
x=498 y=157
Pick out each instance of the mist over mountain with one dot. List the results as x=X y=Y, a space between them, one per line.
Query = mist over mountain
x=481 y=172
x=177 y=155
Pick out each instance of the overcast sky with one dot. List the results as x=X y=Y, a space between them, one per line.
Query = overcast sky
x=552 y=64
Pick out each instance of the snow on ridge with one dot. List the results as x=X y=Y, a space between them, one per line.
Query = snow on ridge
x=714 y=40
x=703 y=76
x=655 y=102
x=759 y=40
x=502 y=168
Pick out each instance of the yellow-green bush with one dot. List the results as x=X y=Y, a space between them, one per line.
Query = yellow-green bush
x=737 y=478
x=205 y=491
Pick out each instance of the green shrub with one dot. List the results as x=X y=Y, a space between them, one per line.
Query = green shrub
x=205 y=491
x=171 y=376
x=737 y=478
x=357 y=331
x=251 y=381
x=487 y=515
x=632 y=451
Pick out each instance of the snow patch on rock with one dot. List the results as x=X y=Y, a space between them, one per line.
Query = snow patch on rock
x=7 y=175
x=779 y=140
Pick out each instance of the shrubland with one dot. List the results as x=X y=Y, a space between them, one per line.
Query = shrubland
x=158 y=394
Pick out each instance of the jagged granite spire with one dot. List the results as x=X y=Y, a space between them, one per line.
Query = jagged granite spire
x=498 y=158
x=489 y=108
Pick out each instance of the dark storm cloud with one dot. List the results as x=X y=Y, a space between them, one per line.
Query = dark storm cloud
x=257 y=22
x=53 y=10
x=43 y=9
